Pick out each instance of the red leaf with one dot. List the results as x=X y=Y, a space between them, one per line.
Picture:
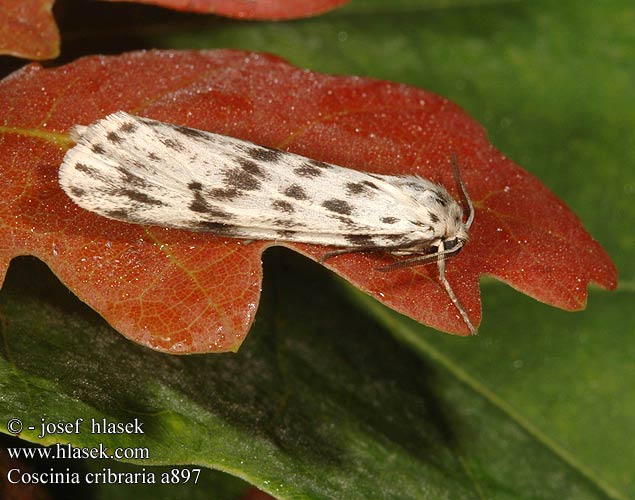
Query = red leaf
x=183 y=292
x=27 y=29
x=256 y=494
x=249 y=9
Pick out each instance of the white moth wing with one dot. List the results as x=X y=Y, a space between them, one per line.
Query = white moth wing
x=149 y=172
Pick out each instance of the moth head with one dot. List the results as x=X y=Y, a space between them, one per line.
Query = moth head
x=456 y=231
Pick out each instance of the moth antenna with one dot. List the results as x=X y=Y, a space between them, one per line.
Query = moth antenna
x=466 y=197
x=450 y=292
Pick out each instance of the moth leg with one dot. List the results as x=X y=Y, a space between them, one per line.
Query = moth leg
x=450 y=292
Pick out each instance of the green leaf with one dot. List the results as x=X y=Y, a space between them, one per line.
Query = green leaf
x=564 y=380
x=321 y=401
x=315 y=404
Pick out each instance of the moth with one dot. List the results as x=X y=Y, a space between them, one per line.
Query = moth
x=143 y=171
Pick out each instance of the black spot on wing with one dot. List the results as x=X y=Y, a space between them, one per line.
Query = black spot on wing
x=191 y=132
x=355 y=188
x=365 y=188
x=132 y=179
x=119 y=214
x=307 y=169
x=98 y=149
x=283 y=206
x=136 y=196
x=200 y=204
x=77 y=192
x=347 y=221
x=150 y=122
x=338 y=206
x=263 y=154
x=93 y=173
x=433 y=217
x=139 y=165
x=360 y=240
x=320 y=164
x=85 y=169
x=285 y=234
x=128 y=127
x=153 y=156
x=218 y=213
x=173 y=144
x=225 y=194
x=218 y=228
x=242 y=180
x=283 y=223
x=251 y=167
x=295 y=191
x=113 y=137
x=389 y=220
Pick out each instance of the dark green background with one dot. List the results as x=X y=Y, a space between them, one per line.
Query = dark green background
x=332 y=395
